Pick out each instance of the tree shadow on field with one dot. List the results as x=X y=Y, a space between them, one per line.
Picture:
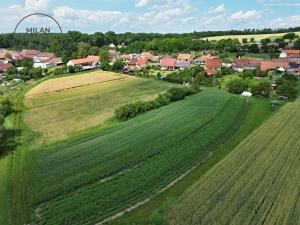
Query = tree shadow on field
x=8 y=141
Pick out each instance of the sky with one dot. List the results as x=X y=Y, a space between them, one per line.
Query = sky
x=161 y=16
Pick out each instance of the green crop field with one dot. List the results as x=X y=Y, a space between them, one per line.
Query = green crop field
x=257 y=183
x=257 y=37
x=90 y=178
x=58 y=107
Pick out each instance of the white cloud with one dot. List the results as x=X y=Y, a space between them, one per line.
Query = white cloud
x=218 y=9
x=36 y=5
x=285 y=22
x=245 y=15
x=142 y=3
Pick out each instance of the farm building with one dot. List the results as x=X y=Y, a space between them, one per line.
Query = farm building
x=89 y=62
x=240 y=65
x=267 y=65
x=51 y=62
x=168 y=63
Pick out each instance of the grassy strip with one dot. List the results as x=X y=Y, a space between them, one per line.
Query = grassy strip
x=258 y=113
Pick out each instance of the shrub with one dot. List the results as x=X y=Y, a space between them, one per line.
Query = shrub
x=261 y=88
x=176 y=94
x=237 y=86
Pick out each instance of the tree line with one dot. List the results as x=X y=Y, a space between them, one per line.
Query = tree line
x=74 y=44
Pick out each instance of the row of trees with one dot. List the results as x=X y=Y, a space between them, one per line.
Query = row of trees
x=5 y=109
x=75 y=44
x=172 y=95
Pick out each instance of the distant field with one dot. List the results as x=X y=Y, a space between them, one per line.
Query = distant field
x=84 y=181
x=257 y=37
x=59 y=107
x=258 y=183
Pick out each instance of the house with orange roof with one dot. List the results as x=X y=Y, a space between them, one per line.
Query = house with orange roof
x=89 y=62
x=212 y=66
x=290 y=54
x=184 y=58
x=268 y=65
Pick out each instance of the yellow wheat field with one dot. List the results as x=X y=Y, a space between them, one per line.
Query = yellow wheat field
x=59 y=84
x=258 y=183
x=257 y=37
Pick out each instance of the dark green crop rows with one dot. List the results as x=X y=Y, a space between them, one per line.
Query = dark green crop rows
x=151 y=150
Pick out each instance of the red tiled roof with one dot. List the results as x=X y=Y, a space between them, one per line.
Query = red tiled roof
x=273 y=64
x=141 y=62
x=249 y=61
x=89 y=59
x=184 y=57
x=213 y=63
x=292 y=51
x=5 y=66
x=168 y=61
x=211 y=72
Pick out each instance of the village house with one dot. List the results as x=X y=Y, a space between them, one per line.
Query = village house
x=200 y=61
x=290 y=54
x=168 y=63
x=4 y=67
x=268 y=65
x=242 y=64
x=51 y=62
x=212 y=66
x=185 y=58
x=146 y=55
x=182 y=64
x=137 y=63
x=89 y=62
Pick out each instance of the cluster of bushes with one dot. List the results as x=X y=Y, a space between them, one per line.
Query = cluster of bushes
x=186 y=75
x=287 y=86
x=257 y=87
x=5 y=109
x=172 y=95
x=66 y=70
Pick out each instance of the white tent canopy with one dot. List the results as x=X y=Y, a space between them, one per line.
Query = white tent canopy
x=246 y=94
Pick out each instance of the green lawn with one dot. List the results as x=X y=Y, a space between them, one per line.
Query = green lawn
x=68 y=181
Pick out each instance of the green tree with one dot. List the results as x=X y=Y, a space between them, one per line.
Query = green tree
x=105 y=57
x=261 y=88
x=8 y=55
x=94 y=50
x=237 y=86
x=290 y=36
x=83 y=49
x=118 y=65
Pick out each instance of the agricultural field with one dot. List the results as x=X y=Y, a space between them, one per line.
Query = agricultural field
x=257 y=183
x=88 y=179
x=58 y=107
x=257 y=37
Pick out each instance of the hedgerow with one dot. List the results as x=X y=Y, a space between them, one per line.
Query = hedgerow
x=172 y=95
